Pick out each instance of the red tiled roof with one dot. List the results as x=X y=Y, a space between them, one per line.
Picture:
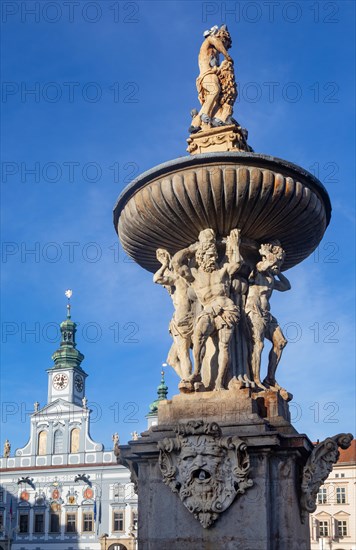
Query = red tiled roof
x=348 y=455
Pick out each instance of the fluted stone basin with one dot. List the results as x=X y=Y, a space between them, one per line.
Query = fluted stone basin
x=266 y=197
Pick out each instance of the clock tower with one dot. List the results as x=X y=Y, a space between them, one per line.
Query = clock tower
x=60 y=431
x=66 y=379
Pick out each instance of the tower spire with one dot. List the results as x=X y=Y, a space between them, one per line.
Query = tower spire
x=67 y=355
x=68 y=293
x=162 y=392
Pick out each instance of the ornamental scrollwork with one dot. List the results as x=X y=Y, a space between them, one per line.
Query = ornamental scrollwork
x=318 y=467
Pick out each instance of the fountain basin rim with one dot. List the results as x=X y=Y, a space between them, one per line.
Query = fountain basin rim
x=266 y=162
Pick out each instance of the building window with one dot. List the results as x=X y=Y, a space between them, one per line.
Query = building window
x=119 y=491
x=323 y=528
x=130 y=492
x=322 y=495
x=1 y=521
x=23 y=522
x=1 y=495
x=118 y=520
x=42 y=443
x=336 y=475
x=134 y=520
x=54 y=524
x=74 y=440
x=342 y=475
x=342 y=528
x=341 y=495
x=71 y=523
x=87 y=522
x=39 y=523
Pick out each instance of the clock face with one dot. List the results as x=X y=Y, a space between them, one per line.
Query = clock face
x=78 y=382
x=60 y=381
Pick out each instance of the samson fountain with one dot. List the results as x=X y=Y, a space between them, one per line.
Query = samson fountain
x=224 y=468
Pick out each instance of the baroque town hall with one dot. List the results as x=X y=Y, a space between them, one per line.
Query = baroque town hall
x=62 y=490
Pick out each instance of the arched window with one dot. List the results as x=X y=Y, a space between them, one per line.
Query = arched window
x=58 y=442
x=74 y=440
x=42 y=443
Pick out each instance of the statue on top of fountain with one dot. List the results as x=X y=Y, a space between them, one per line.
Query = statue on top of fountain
x=216 y=84
x=218 y=309
x=217 y=92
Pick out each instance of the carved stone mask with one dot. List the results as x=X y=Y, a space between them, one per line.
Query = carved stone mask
x=204 y=468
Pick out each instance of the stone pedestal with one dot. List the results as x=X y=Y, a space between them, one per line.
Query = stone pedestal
x=266 y=516
x=223 y=138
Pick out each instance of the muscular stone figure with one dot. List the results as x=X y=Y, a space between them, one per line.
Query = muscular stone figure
x=181 y=325
x=211 y=284
x=262 y=323
x=215 y=83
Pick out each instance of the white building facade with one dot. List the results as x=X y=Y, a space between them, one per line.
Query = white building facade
x=62 y=490
x=333 y=524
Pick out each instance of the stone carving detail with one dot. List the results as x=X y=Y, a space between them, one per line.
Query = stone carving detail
x=223 y=138
x=318 y=467
x=222 y=316
x=205 y=469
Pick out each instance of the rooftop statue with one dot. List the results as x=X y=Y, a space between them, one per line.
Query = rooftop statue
x=116 y=440
x=7 y=449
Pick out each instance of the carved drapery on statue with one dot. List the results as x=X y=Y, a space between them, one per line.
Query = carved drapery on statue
x=318 y=467
x=205 y=469
x=222 y=313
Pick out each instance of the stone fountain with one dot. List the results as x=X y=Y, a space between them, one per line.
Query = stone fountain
x=224 y=467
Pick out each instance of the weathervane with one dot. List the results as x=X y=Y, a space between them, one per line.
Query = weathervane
x=68 y=293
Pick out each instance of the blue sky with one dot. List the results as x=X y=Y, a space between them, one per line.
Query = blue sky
x=113 y=84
